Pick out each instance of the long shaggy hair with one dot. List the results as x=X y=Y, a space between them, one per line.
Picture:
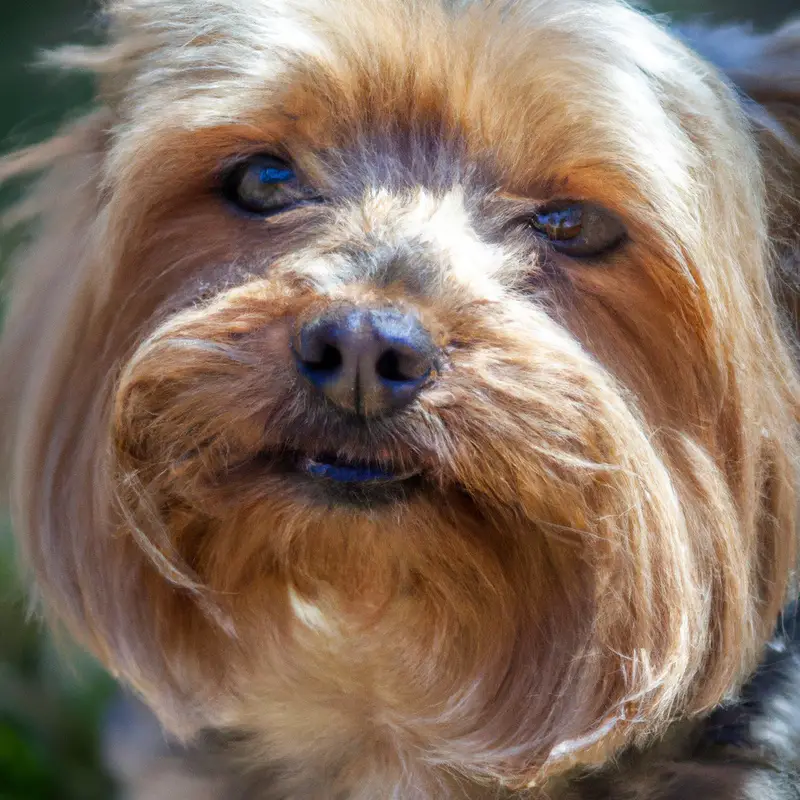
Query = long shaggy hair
x=602 y=529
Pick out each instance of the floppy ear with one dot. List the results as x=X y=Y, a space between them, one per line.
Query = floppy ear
x=765 y=68
x=772 y=88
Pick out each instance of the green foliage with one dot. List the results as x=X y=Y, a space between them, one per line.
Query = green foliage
x=51 y=700
x=50 y=713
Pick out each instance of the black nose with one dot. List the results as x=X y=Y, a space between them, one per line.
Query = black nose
x=368 y=361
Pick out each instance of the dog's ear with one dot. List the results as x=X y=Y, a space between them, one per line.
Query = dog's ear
x=765 y=70
x=771 y=90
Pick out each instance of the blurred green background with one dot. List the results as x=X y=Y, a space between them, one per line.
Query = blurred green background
x=51 y=715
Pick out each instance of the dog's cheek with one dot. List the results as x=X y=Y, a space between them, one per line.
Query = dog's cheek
x=204 y=379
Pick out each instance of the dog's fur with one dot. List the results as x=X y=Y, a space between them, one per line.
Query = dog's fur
x=607 y=528
x=749 y=749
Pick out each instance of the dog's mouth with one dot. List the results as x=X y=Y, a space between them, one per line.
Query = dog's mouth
x=355 y=482
x=334 y=468
x=342 y=478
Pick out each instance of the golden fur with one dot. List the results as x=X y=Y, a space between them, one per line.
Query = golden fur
x=608 y=528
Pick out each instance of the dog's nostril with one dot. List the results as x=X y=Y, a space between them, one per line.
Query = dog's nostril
x=388 y=367
x=329 y=360
x=396 y=366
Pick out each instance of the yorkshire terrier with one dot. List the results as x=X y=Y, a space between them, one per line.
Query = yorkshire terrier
x=401 y=393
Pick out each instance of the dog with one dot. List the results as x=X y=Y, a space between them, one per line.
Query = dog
x=403 y=394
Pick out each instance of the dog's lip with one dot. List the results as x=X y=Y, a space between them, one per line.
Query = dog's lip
x=335 y=468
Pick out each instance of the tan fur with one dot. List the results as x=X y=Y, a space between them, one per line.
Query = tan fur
x=609 y=526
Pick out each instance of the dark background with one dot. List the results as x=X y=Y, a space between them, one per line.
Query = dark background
x=51 y=716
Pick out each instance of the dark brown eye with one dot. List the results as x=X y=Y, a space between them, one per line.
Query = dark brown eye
x=578 y=229
x=263 y=185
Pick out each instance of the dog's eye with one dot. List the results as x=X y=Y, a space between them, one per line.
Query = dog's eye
x=578 y=229
x=263 y=185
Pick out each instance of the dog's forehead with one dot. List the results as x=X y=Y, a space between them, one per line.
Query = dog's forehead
x=536 y=83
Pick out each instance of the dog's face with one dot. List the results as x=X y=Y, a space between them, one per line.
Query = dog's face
x=427 y=354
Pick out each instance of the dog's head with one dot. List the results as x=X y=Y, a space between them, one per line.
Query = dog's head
x=405 y=378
